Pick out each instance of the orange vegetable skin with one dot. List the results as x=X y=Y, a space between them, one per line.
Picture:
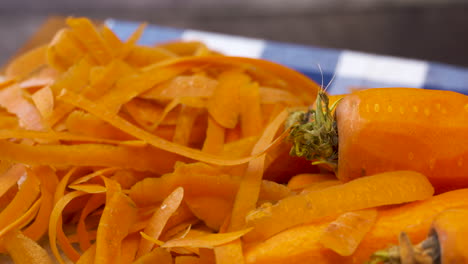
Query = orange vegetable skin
x=345 y=233
x=414 y=219
x=25 y=250
x=404 y=129
x=380 y=189
x=452 y=230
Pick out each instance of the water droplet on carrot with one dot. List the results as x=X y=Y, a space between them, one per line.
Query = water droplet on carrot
x=415 y=109
x=389 y=108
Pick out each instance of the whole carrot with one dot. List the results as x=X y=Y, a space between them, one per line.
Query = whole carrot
x=378 y=130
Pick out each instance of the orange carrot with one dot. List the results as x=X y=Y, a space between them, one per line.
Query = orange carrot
x=185 y=124
x=10 y=174
x=25 y=197
x=206 y=241
x=56 y=231
x=95 y=45
x=159 y=219
x=214 y=140
x=301 y=181
x=83 y=236
x=11 y=98
x=198 y=179
x=196 y=85
x=64 y=50
x=375 y=123
x=345 y=233
x=210 y=209
x=250 y=110
x=158 y=255
x=24 y=250
x=27 y=63
x=250 y=185
x=129 y=248
x=49 y=182
x=118 y=216
x=224 y=104
x=88 y=256
x=116 y=121
x=380 y=189
x=89 y=155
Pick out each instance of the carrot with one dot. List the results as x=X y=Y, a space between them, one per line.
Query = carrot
x=375 y=123
x=25 y=250
x=380 y=189
x=450 y=228
x=26 y=196
x=49 y=182
x=116 y=121
x=196 y=85
x=224 y=104
x=210 y=209
x=296 y=245
x=250 y=111
x=27 y=63
x=129 y=248
x=159 y=219
x=11 y=99
x=130 y=87
x=185 y=124
x=118 y=216
x=250 y=185
x=64 y=50
x=198 y=179
x=141 y=56
x=10 y=174
x=345 y=233
x=87 y=35
x=89 y=155
x=88 y=256
x=214 y=140
x=302 y=181
x=83 y=235
x=230 y=253
x=129 y=44
x=187 y=260
x=56 y=231
x=158 y=255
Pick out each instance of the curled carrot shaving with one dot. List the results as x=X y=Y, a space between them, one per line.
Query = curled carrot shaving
x=159 y=219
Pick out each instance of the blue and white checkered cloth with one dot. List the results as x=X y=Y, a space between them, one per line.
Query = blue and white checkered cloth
x=351 y=69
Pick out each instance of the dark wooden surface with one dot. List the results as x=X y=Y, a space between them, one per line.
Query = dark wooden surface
x=435 y=30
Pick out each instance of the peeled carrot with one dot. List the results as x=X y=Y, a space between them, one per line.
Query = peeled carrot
x=302 y=181
x=380 y=189
x=375 y=124
x=345 y=233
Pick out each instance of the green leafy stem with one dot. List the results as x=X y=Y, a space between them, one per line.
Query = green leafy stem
x=314 y=133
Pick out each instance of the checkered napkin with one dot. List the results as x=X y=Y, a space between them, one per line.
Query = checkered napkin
x=351 y=69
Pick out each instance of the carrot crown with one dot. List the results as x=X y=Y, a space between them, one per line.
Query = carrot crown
x=428 y=251
x=314 y=133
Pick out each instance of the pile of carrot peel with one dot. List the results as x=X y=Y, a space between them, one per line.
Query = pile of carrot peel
x=113 y=152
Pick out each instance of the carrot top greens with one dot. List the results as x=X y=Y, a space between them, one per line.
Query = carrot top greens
x=314 y=133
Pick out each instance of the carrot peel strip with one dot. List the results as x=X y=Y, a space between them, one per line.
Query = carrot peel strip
x=159 y=219
x=108 y=116
x=345 y=233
